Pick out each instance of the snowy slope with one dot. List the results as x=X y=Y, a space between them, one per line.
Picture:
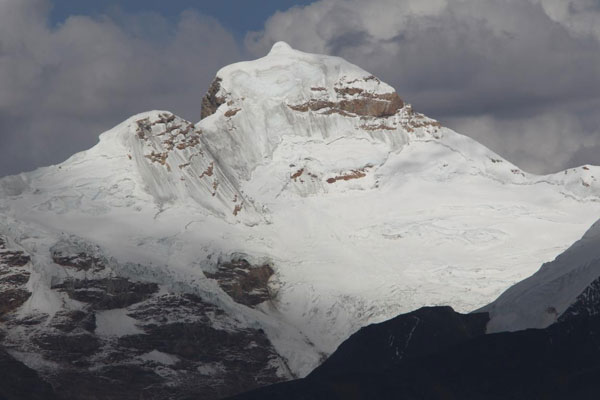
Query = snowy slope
x=363 y=207
x=562 y=288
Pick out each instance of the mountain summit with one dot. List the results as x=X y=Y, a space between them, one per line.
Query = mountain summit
x=310 y=200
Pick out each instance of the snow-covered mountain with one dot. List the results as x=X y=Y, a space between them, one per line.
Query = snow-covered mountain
x=566 y=287
x=309 y=201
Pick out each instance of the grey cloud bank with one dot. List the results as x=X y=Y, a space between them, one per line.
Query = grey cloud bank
x=521 y=76
x=60 y=88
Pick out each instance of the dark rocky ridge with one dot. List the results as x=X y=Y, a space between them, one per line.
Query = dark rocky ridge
x=107 y=293
x=184 y=347
x=366 y=105
x=14 y=275
x=19 y=382
x=206 y=362
x=80 y=261
x=586 y=304
x=559 y=362
x=416 y=334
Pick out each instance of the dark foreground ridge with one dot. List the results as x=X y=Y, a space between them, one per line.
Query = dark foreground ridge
x=436 y=353
x=17 y=381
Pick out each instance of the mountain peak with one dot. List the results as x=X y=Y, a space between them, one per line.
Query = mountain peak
x=256 y=109
x=280 y=48
x=289 y=74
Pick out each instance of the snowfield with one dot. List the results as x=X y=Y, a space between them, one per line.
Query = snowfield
x=364 y=208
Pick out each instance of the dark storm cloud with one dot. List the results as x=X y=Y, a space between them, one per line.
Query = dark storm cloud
x=61 y=87
x=521 y=76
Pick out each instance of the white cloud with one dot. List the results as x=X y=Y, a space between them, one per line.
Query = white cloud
x=582 y=17
x=498 y=66
x=519 y=75
x=60 y=87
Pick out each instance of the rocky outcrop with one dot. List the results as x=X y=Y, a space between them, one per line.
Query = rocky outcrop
x=80 y=261
x=178 y=167
x=352 y=99
x=221 y=362
x=14 y=275
x=69 y=321
x=17 y=381
x=172 y=134
x=116 y=338
x=178 y=352
x=350 y=175
x=75 y=348
x=12 y=299
x=245 y=283
x=365 y=105
x=587 y=303
x=211 y=101
x=107 y=293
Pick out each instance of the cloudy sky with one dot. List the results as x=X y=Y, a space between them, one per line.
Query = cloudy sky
x=520 y=76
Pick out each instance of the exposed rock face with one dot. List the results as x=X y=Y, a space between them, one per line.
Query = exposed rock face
x=245 y=283
x=376 y=106
x=125 y=339
x=210 y=101
x=12 y=299
x=77 y=256
x=353 y=101
x=221 y=362
x=14 y=275
x=586 y=304
x=80 y=261
x=176 y=354
x=354 y=174
x=168 y=151
x=14 y=258
x=68 y=321
x=108 y=293
x=17 y=381
x=73 y=348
